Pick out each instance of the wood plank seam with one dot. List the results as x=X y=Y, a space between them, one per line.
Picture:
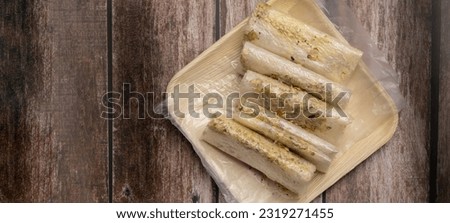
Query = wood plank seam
x=443 y=56
x=434 y=119
x=110 y=87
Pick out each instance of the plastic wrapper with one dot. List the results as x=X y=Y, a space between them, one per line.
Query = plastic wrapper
x=214 y=87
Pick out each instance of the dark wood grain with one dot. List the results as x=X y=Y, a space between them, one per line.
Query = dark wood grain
x=398 y=172
x=443 y=153
x=154 y=39
x=52 y=76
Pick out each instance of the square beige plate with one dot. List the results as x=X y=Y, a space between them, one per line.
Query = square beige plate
x=373 y=111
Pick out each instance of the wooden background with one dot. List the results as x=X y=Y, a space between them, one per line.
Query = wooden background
x=59 y=57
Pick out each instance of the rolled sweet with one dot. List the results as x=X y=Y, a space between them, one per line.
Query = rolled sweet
x=294 y=40
x=277 y=163
x=265 y=62
x=307 y=145
x=293 y=104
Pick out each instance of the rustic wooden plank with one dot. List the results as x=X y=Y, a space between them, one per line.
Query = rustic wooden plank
x=52 y=76
x=443 y=153
x=154 y=39
x=233 y=12
x=399 y=172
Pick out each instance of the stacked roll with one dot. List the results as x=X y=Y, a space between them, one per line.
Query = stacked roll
x=292 y=96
